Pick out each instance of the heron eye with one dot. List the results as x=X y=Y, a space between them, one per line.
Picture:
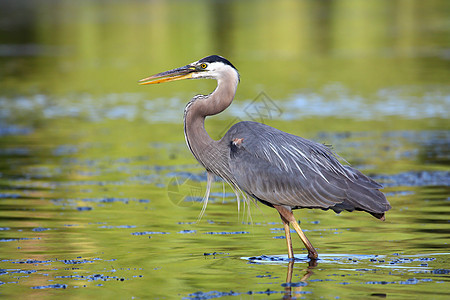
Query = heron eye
x=203 y=66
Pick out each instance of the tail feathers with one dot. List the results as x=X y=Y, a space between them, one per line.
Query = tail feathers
x=359 y=196
x=378 y=216
x=338 y=208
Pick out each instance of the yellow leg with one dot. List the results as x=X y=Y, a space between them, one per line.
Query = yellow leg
x=288 y=216
x=312 y=253
x=287 y=232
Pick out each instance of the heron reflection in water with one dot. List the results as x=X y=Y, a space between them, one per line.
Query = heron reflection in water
x=276 y=168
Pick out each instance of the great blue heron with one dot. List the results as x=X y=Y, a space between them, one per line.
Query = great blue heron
x=279 y=169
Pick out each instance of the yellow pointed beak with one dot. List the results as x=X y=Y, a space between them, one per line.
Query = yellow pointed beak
x=172 y=75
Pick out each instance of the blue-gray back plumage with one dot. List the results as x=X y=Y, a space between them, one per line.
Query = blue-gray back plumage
x=278 y=168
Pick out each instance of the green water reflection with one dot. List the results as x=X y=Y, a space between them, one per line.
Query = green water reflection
x=99 y=195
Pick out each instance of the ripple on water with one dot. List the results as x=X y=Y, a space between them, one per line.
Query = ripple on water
x=40 y=229
x=217 y=294
x=227 y=232
x=187 y=231
x=40 y=267
x=149 y=233
x=382 y=261
x=50 y=286
x=17 y=239
x=9 y=129
x=415 y=178
x=269 y=259
x=118 y=226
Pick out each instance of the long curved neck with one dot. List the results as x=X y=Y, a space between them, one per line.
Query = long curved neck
x=199 y=142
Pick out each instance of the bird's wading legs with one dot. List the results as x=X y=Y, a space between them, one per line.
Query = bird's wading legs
x=287 y=231
x=288 y=219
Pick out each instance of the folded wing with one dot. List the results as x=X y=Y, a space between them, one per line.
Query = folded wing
x=279 y=168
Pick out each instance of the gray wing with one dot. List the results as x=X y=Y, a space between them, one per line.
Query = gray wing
x=279 y=168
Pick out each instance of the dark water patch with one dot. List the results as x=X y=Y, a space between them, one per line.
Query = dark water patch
x=210 y=295
x=101 y=277
x=87 y=183
x=272 y=259
x=187 y=231
x=40 y=229
x=280 y=229
x=340 y=135
x=15 y=152
x=380 y=282
x=98 y=201
x=265 y=276
x=412 y=136
x=63 y=150
x=217 y=294
x=350 y=258
x=107 y=200
x=31 y=261
x=323 y=258
x=429 y=146
x=9 y=129
x=325 y=280
x=440 y=271
x=183 y=176
x=391 y=101
x=193 y=199
x=399 y=193
x=148 y=233
x=405 y=260
x=119 y=226
x=223 y=195
x=84 y=162
x=51 y=286
x=161 y=168
x=419 y=178
x=335 y=230
x=75 y=277
x=407 y=281
x=9 y=196
x=214 y=254
x=410 y=281
x=84 y=208
x=18 y=239
x=114 y=200
x=436 y=138
x=294 y=284
x=78 y=261
x=435 y=221
x=4 y=228
x=85 y=173
x=212 y=199
x=4 y=272
x=227 y=232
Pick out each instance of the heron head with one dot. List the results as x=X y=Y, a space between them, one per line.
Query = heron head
x=210 y=67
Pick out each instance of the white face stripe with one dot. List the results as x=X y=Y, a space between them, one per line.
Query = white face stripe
x=215 y=70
